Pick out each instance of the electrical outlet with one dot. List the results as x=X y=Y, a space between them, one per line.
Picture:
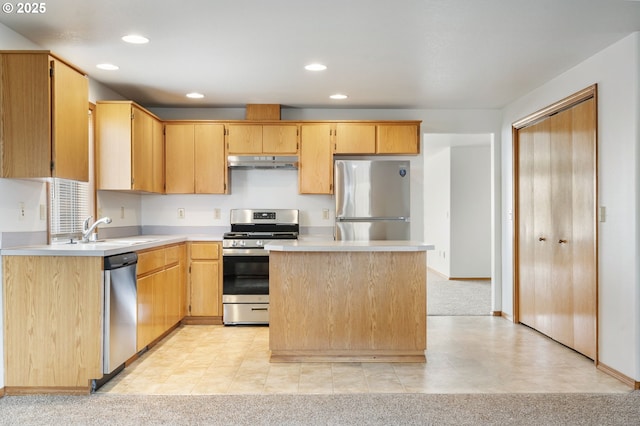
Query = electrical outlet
x=121 y=212
x=325 y=214
x=21 y=212
x=216 y=213
x=43 y=212
x=181 y=213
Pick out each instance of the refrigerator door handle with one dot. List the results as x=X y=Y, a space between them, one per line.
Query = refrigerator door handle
x=372 y=219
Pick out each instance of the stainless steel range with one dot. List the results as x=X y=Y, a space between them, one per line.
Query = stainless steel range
x=245 y=290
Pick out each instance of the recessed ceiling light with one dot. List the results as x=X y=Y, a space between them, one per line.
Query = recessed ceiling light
x=315 y=67
x=135 y=39
x=195 y=95
x=108 y=67
x=338 y=96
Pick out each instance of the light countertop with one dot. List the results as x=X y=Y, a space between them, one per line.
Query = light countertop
x=325 y=245
x=106 y=247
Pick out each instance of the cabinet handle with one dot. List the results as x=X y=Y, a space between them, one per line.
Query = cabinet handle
x=562 y=241
x=542 y=239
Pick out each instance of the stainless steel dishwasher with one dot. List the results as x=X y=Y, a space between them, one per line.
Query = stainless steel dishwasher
x=120 y=310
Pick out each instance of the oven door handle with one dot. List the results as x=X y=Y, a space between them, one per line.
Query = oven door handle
x=259 y=309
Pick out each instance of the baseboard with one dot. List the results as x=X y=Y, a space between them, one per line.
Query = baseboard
x=469 y=279
x=635 y=385
x=497 y=314
x=440 y=274
x=2 y=392
x=47 y=390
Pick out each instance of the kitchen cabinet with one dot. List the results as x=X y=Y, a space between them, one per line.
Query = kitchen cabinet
x=195 y=159
x=44 y=124
x=129 y=151
x=159 y=286
x=396 y=138
x=205 y=281
x=350 y=138
x=315 y=173
x=53 y=311
x=262 y=139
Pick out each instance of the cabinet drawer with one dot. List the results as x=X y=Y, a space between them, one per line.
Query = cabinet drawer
x=172 y=255
x=205 y=250
x=149 y=261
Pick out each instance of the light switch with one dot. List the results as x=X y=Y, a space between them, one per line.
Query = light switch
x=602 y=212
x=181 y=213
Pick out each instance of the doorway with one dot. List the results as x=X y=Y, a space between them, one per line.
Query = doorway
x=459 y=221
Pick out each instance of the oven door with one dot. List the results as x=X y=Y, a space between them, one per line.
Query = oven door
x=245 y=275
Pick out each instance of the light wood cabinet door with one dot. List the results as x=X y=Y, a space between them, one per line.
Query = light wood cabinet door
x=44 y=125
x=179 y=154
x=172 y=297
x=244 y=139
x=398 y=139
x=205 y=279
x=70 y=99
x=210 y=160
x=145 y=311
x=315 y=173
x=142 y=150
x=280 y=139
x=205 y=288
x=157 y=150
x=355 y=138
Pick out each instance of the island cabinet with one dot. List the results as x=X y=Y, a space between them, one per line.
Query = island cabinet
x=129 y=148
x=195 y=158
x=44 y=124
x=315 y=170
x=258 y=139
x=205 y=283
x=53 y=310
x=160 y=293
x=347 y=302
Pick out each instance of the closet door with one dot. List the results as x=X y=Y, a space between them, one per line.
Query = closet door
x=557 y=258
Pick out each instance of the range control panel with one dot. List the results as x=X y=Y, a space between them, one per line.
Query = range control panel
x=264 y=215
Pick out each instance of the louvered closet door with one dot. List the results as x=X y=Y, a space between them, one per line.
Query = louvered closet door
x=556 y=234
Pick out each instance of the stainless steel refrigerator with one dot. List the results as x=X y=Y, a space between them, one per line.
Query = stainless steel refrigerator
x=372 y=200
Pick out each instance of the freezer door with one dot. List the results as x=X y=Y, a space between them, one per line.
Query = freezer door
x=373 y=230
x=372 y=189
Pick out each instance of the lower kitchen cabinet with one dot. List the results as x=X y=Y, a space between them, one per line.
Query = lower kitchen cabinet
x=53 y=308
x=205 y=283
x=159 y=292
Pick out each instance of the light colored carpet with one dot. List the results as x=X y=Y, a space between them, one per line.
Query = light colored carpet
x=454 y=298
x=367 y=409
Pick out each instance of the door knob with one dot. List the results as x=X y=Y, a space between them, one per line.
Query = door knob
x=562 y=241
x=542 y=239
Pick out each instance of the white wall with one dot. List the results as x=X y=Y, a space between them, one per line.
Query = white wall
x=470 y=212
x=615 y=70
x=437 y=205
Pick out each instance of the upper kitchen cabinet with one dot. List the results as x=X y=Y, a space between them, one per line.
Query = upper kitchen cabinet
x=195 y=159
x=354 y=138
x=44 y=124
x=262 y=138
x=398 y=138
x=315 y=174
x=129 y=150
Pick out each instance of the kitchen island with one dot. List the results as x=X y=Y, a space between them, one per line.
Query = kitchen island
x=347 y=301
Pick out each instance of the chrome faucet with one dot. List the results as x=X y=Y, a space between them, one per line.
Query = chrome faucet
x=88 y=230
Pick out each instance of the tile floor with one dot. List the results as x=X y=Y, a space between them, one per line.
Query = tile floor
x=464 y=355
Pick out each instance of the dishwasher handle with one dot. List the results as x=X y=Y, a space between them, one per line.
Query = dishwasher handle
x=120 y=261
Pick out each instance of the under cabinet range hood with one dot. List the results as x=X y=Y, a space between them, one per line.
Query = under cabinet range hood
x=262 y=162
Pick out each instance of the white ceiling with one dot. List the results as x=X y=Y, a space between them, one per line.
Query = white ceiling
x=383 y=54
